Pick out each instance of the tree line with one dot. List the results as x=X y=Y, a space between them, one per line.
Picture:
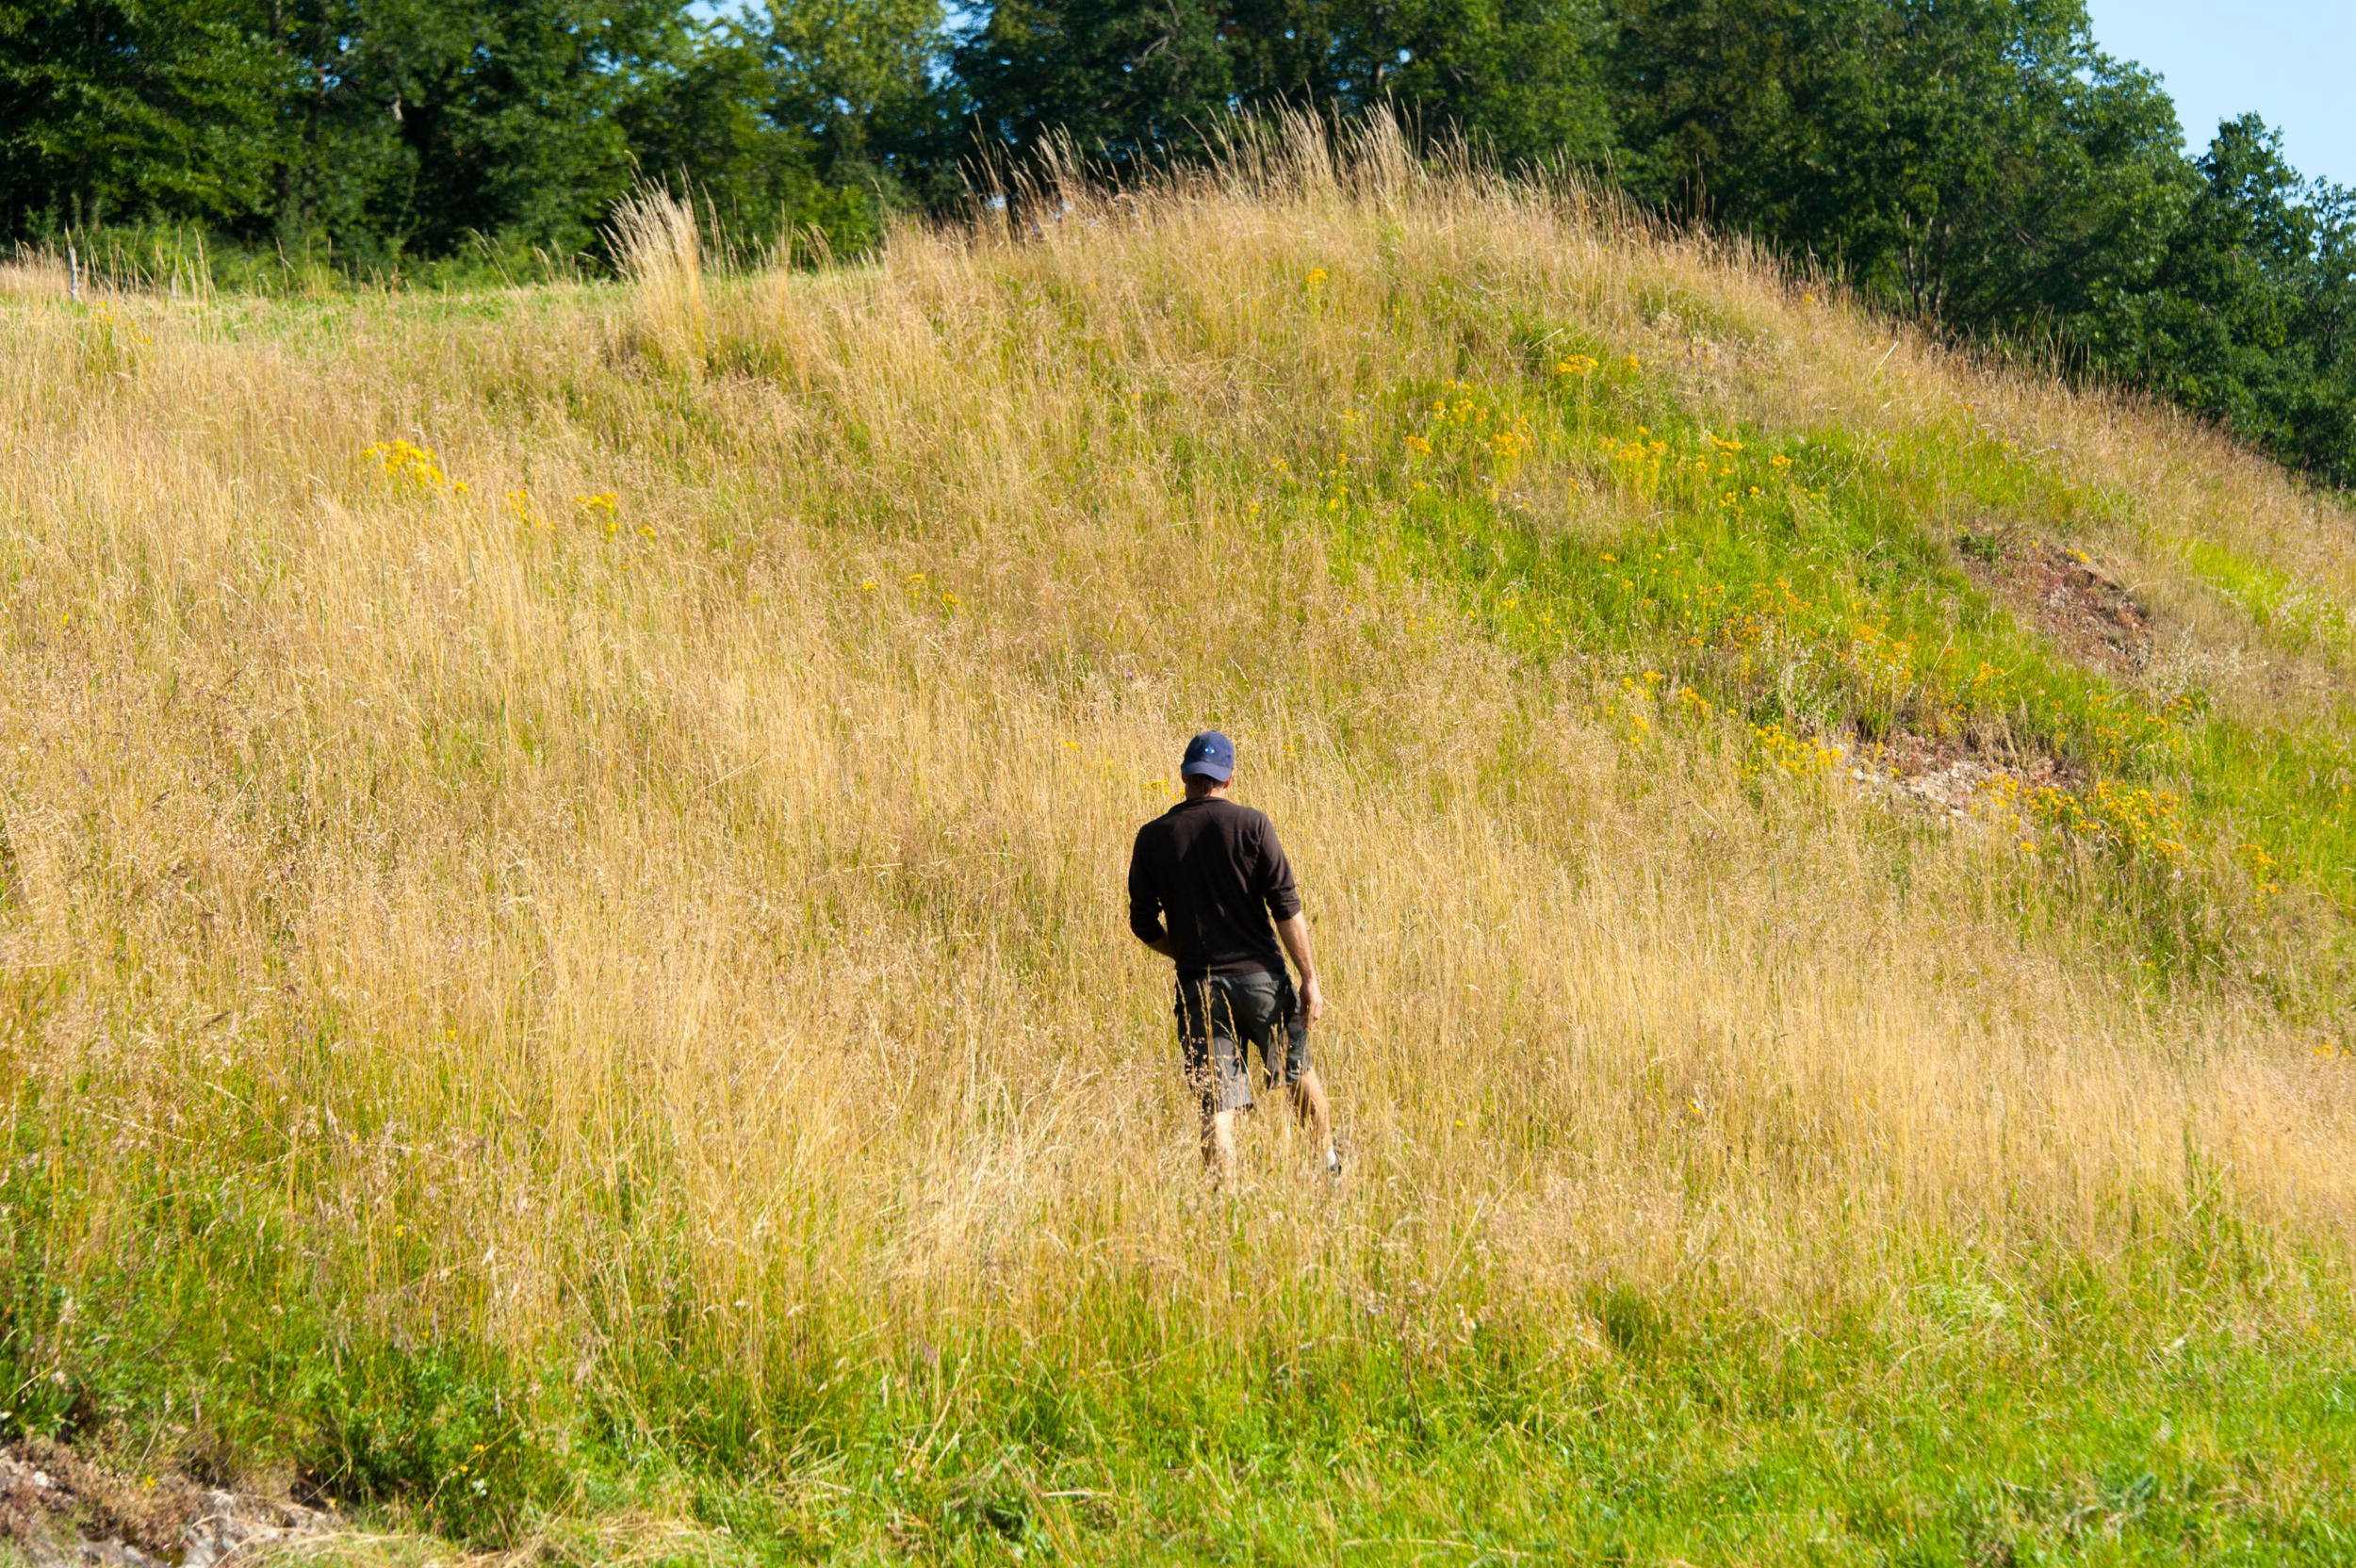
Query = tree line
x=1979 y=165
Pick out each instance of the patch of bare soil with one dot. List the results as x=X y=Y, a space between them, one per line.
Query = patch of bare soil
x=2086 y=611
x=57 y=1507
x=1945 y=776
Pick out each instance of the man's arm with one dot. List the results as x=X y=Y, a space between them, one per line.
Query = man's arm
x=1145 y=904
x=1284 y=906
x=1294 y=933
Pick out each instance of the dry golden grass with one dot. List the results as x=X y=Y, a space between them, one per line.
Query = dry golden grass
x=706 y=909
x=34 y=278
x=660 y=249
x=2161 y=493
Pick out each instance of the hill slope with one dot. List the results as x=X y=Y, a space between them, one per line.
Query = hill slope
x=565 y=969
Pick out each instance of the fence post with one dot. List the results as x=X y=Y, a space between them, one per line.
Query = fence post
x=72 y=273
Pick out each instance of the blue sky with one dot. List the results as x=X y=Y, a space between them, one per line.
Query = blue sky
x=2290 y=60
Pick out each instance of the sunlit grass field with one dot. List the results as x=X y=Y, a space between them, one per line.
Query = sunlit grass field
x=565 y=979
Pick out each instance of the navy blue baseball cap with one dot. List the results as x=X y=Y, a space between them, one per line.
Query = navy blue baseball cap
x=1210 y=755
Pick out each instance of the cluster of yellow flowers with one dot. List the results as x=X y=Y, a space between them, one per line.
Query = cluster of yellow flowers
x=2131 y=820
x=1791 y=755
x=1647 y=462
x=1635 y=451
x=1635 y=465
x=605 y=507
x=1462 y=426
x=413 y=468
x=1639 y=693
x=1772 y=604
x=1649 y=693
x=1464 y=411
x=1582 y=367
x=1881 y=663
x=2134 y=816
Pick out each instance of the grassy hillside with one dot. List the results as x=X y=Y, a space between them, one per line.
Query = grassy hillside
x=564 y=970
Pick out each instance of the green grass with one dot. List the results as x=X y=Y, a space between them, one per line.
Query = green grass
x=1813 y=584
x=2129 y=1413
x=2297 y=621
x=2186 y=1394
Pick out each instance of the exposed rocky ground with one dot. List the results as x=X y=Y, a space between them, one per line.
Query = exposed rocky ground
x=2090 y=614
x=1944 y=776
x=57 y=1507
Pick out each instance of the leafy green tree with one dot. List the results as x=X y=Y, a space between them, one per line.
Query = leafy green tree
x=1520 y=77
x=1976 y=162
x=700 y=116
x=860 y=78
x=506 y=112
x=2247 y=316
x=706 y=119
x=340 y=150
x=1132 y=80
x=133 y=110
x=1517 y=75
x=387 y=129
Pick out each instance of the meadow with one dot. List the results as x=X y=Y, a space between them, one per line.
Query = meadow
x=566 y=986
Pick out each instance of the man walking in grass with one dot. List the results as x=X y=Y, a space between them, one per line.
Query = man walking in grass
x=1214 y=870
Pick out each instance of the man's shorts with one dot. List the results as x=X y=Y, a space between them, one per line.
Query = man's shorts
x=1220 y=1014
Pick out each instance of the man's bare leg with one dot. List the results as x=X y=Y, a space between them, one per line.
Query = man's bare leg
x=1218 y=1148
x=1315 y=1111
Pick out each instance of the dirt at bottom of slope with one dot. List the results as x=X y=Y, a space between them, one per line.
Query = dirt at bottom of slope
x=2088 y=613
x=57 y=1507
x=1944 y=776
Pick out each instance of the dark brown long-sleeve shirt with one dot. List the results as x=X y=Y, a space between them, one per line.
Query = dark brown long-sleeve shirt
x=1214 y=870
